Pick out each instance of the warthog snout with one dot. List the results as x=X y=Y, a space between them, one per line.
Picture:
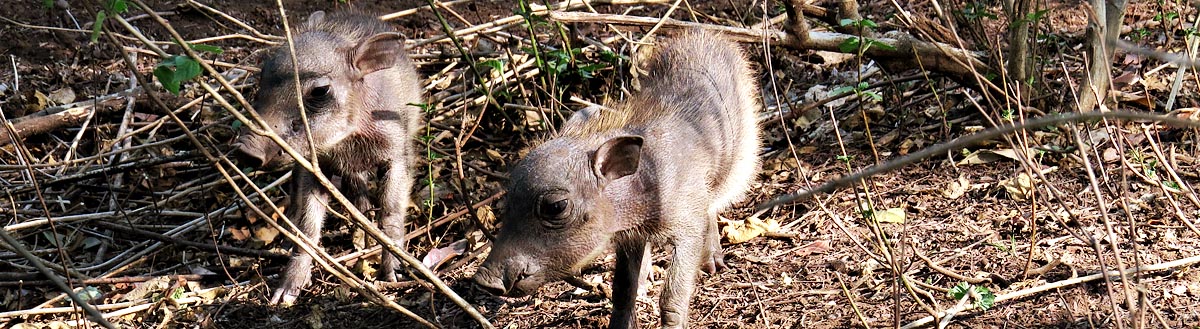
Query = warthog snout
x=490 y=281
x=512 y=277
x=260 y=152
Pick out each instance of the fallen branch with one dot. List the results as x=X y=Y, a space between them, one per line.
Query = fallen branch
x=1060 y=284
x=187 y=243
x=106 y=281
x=937 y=57
x=964 y=141
x=53 y=118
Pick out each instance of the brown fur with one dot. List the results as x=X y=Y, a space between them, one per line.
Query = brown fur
x=357 y=83
x=657 y=168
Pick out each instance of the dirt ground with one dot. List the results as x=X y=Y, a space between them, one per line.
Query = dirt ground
x=968 y=216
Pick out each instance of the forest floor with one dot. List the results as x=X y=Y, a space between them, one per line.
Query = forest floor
x=136 y=206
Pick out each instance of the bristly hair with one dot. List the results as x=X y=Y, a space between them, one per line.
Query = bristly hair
x=350 y=24
x=685 y=52
x=617 y=117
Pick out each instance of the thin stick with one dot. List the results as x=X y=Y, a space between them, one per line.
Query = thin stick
x=18 y=247
x=969 y=140
x=1062 y=284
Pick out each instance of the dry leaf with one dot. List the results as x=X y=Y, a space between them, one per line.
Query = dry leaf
x=239 y=233
x=1020 y=188
x=891 y=215
x=957 y=188
x=1126 y=79
x=831 y=59
x=1187 y=113
x=62 y=96
x=1111 y=155
x=266 y=234
x=313 y=319
x=988 y=156
x=438 y=256
x=742 y=231
x=487 y=217
x=814 y=247
x=494 y=155
x=141 y=290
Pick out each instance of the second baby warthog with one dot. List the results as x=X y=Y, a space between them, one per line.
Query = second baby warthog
x=357 y=83
x=657 y=168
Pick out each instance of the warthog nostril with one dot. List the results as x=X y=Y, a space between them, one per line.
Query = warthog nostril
x=251 y=156
x=489 y=281
x=498 y=291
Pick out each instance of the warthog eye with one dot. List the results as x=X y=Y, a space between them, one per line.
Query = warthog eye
x=554 y=209
x=317 y=98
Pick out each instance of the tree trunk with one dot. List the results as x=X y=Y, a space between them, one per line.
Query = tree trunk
x=1100 y=53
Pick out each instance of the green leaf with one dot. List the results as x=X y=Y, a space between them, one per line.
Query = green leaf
x=186 y=69
x=986 y=298
x=428 y=108
x=846 y=22
x=100 y=16
x=959 y=290
x=850 y=45
x=874 y=96
x=90 y=293
x=48 y=4
x=880 y=44
x=494 y=65
x=173 y=71
x=117 y=6
x=867 y=23
x=166 y=77
x=586 y=70
x=207 y=48
x=611 y=57
x=236 y=124
x=1036 y=15
x=842 y=90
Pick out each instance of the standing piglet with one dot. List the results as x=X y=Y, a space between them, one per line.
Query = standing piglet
x=357 y=84
x=657 y=168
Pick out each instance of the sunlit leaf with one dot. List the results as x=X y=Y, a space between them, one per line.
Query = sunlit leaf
x=850 y=45
x=100 y=16
x=207 y=48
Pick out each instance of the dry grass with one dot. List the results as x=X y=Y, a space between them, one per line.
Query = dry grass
x=133 y=198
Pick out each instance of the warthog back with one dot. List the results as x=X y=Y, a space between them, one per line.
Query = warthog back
x=657 y=168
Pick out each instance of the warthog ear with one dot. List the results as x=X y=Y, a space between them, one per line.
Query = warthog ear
x=618 y=157
x=378 y=52
x=315 y=19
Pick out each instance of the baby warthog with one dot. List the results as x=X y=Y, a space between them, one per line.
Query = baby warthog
x=657 y=168
x=357 y=84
